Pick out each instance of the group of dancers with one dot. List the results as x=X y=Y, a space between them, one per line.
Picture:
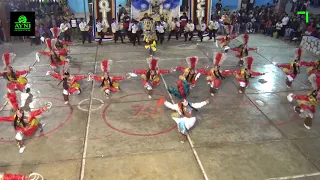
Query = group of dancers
x=58 y=50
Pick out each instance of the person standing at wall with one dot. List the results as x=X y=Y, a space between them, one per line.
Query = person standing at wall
x=74 y=27
x=84 y=28
x=218 y=8
x=99 y=27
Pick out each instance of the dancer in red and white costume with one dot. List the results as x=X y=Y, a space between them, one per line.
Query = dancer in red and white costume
x=151 y=77
x=243 y=75
x=56 y=58
x=243 y=51
x=31 y=176
x=225 y=41
x=306 y=106
x=314 y=67
x=59 y=44
x=25 y=126
x=215 y=75
x=14 y=79
x=70 y=84
x=191 y=74
x=292 y=69
x=108 y=83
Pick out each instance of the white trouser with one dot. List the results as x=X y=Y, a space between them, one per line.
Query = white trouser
x=107 y=91
x=242 y=84
x=290 y=78
x=148 y=86
x=65 y=92
x=189 y=122
x=19 y=136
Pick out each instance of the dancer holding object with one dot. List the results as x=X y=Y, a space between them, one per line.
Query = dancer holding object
x=244 y=50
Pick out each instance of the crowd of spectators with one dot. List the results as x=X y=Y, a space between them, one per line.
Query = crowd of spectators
x=266 y=20
x=48 y=15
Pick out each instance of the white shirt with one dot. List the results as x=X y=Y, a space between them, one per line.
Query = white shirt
x=114 y=27
x=130 y=25
x=203 y=27
x=278 y=26
x=63 y=25
x=73 y=23
x=285 y=20
x=190 y=26
x=177 y=24
x=99 y=26
x=164 y=24
x=173 y=25
x=82 y=26
x=160 y=28
x=214 y=25
x=134 y=28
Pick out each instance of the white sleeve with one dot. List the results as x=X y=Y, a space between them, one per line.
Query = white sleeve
x=61 y=25
x=199 y=105
x=171 y=106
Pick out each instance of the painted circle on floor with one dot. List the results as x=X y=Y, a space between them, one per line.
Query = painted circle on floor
x=45 y=115
x=92 y=109
x=140 y=113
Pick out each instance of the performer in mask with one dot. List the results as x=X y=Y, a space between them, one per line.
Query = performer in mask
x=151 y=44
x=215 y=75
x=292 y=69
x=70 y=84
x=306 y=107
x=191 y=74
x=224 y=42
x=314 y=79
x=183 y=116
x=243 y=51
x=25 y=126
x=151 y=77
x=243 y=75
x=108 y=83
x=14 y=79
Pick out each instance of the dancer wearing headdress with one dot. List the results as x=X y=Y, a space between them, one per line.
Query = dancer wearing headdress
x=243 y=75
x=306 y=106
x=243 y=51
x=108 y=83
x=314 y=66
x=225 y=41
x=25 y=126
x=14 y=79
x=183 y=116
x=59 y=44
x=151 y=77
x=292 y=69
x=70 y=84
x=215 y=75
x=191 y=74
x=56 y=58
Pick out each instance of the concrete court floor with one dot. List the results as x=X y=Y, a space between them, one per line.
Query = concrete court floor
x=238 y=137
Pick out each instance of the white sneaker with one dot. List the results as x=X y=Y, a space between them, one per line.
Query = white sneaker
x=149 y=97
x=66 y=102
x=240 y=91
x=182 y=142
x=308 y=127
x=21 y=149
x=212 y=94
x=288 y=87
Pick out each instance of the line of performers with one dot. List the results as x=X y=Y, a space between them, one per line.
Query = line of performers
x=25 y=122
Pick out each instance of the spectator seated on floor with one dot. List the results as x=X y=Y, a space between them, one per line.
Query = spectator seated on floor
x=278 y=29
x=311 y=30
x=291 y=29
x=268 y=28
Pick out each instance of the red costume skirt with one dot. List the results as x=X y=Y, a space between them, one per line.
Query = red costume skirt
x=306 y=107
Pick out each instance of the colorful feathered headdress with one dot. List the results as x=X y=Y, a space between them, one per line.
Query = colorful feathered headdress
x=153 y=63
x=55 y=32
x=8 y=58
x=192 y=61
x=218 y=58
x=245 y=39
x=106 y=65
x=297 y=53
x=248 y=62
x=183 y=89
x=49 y=44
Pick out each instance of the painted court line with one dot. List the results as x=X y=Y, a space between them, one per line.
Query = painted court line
x=84 y=154
x=88 y=99
x=296 y=176
x=189 y=139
